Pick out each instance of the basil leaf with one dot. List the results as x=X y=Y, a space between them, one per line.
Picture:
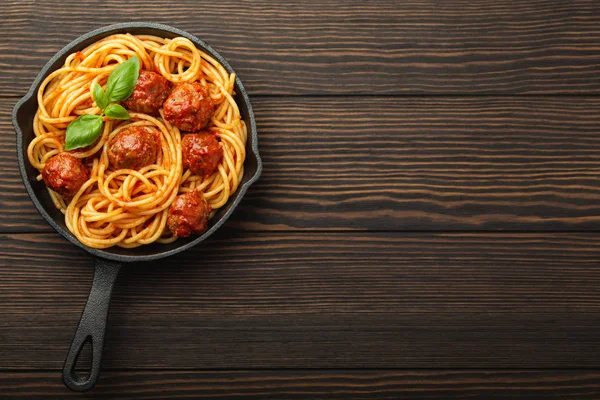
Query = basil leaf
x=100 y=97
x=84 y=131
x=116 y=111
x=122 y=80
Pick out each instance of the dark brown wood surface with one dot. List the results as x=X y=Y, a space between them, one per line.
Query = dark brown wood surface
x=317 y=384
x=426 y=225
x=346 y=47
x=398 y=163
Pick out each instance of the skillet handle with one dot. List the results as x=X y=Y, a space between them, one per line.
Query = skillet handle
x=92 y=327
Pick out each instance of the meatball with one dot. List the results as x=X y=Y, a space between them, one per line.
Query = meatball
x=134 y=148
x=188 y=214
x=65 y=174
x=201 y=153
x=189 y=107
x=149 y=93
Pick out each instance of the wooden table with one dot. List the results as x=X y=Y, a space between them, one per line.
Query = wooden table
x=426 y=225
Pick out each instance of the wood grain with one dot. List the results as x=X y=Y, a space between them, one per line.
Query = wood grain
x=342 y=384
x=317 y=301
x=384 y=163
x=398 y=139
x=339 y=46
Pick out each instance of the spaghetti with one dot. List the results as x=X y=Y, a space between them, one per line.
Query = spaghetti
x=127 y=207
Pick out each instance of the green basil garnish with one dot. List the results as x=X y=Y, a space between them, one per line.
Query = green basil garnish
x=84 y=131
x=122 y=80
x=116 y=111
x=100 y=97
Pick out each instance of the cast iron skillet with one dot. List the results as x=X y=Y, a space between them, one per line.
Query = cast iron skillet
x=92 y=326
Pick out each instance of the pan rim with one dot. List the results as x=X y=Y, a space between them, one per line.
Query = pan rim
x=102 y=32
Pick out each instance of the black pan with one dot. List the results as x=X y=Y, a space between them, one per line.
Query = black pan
x=92 y=326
